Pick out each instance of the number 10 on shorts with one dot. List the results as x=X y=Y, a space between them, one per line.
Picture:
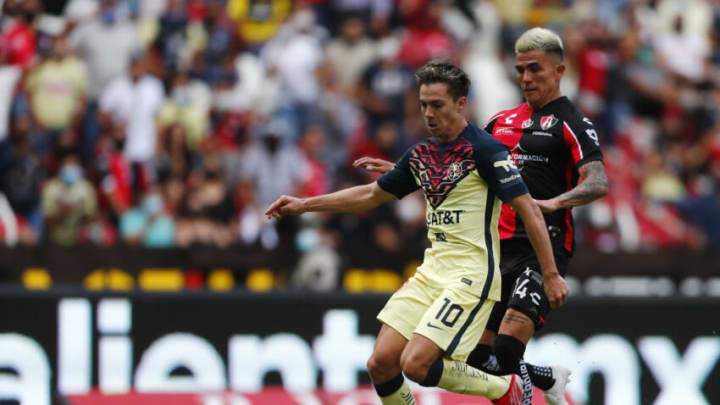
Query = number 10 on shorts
x=449 y=314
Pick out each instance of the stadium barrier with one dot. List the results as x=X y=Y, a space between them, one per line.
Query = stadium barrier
x=74 y=347
x=125 y=268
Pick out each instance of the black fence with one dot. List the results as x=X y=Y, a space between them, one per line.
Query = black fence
x=122 y=267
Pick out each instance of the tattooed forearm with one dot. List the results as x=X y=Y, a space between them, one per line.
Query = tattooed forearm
x=593 y=186
x=516 y=318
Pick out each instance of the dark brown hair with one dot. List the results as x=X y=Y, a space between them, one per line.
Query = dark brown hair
x=439 y=71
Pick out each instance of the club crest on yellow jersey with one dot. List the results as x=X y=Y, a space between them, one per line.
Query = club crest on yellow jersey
x=455 y=171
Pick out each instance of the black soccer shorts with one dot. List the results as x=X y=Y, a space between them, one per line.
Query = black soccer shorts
x=522 y=291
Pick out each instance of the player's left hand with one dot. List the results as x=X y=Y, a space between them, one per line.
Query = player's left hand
x=285 y=205
x=547 y=206
x=556 y=290
x=374 y=164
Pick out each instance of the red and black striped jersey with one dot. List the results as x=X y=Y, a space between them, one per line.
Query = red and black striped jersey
x=548 y=146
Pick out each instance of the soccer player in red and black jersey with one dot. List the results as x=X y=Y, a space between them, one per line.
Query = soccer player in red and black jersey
x=554 y=146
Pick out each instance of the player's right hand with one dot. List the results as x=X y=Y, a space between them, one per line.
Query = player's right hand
x=556 y=290
x=374 y=164
x=285 y=205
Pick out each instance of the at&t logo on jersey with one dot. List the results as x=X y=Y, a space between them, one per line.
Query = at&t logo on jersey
x=548 y=121
x=455 y=171
x=443 y=217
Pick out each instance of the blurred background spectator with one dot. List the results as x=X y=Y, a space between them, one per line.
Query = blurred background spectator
x=68 y=201
x=176 y=122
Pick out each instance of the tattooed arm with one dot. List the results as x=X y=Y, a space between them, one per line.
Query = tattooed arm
x=593 y=186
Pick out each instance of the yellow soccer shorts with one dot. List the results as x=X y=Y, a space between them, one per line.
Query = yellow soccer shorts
x=453 y=317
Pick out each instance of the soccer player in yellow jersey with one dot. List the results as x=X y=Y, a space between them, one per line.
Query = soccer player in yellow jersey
x=433 y=322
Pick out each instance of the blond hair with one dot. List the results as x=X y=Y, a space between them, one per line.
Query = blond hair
x=540 y=39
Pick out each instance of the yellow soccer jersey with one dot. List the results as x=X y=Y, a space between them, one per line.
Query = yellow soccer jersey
x=463 y=182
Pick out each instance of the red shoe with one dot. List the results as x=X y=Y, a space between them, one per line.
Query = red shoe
x=513 y=396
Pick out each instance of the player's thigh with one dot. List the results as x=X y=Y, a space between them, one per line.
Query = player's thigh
x=385 y=359
x=455 y=321
x=420 y=351
x=406 y=307
x=498 y=311
x=390 y=343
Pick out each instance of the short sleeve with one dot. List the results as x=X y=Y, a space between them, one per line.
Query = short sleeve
x=582 y=140
x=399 y=181
x=497 y=167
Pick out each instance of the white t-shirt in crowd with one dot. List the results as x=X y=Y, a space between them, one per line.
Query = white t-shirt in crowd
x=135 y=105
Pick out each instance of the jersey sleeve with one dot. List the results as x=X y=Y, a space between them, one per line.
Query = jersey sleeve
x=497 y=167
x=582 y=139
x=399 y=181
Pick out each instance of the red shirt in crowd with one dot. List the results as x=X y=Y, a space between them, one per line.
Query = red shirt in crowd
x=17 y=44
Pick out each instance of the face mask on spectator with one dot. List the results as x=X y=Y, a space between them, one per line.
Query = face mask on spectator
x=70 y=174
x=153 y=204
x=307 y=240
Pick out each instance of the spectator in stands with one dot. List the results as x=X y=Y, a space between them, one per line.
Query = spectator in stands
x=312 y=145
x=68 y=201
x=210 y=207
x=57 y=88
x=385 y=88
x=114 y=175
x=22 y=175
x=106 y=43
x=340 y=116
x=173 y=26
x=17 y=51
x=149 y=224
x=702 y=210
x=132 y=102
x=425 y=37
x=351 y=53
x=296 y=54
x=683 y=51
x=174 y=159
x=188 y=104
x=375 y=13
x=272 y=166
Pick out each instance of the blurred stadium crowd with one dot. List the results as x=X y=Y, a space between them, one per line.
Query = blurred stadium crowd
x=176 y=122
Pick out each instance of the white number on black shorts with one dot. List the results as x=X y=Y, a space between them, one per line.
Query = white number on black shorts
x=453 y=311
x=521 y=289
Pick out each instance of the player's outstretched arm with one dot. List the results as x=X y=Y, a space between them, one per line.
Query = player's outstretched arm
x=374 y=164
x=593 y=186
x=555 y=287
x=353 y=199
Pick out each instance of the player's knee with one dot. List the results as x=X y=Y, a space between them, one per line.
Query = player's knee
x=382 y=367
x=509 y=351
x=415 y=370
x=414 y=366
